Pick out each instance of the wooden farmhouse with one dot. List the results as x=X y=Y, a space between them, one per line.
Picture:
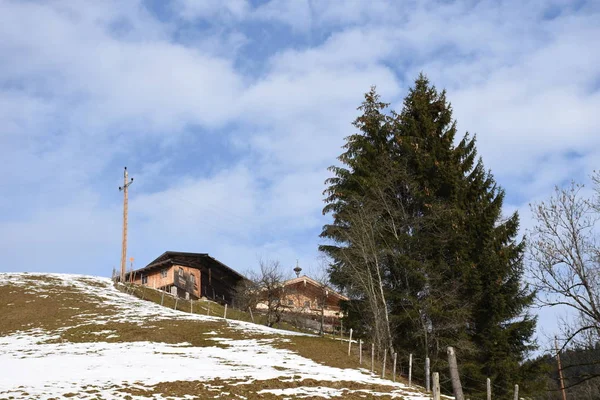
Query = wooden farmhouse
x=305 y=298
x=189 y=275
x=305 y=295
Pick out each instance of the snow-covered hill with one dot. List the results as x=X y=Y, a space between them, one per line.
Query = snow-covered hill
x=77 y=336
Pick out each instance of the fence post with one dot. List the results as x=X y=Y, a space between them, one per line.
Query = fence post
x=372 y=357
x=225 y=312
x=162 y=297
x=176 y=300
x=207 y=308
x=489 y=388
x=394 y=368
x=516 y=392
x=359 y=351
x=251 y=316
x=409 y=369
x=456 y=386
x=384 y=359
x=436 y=386
x=427 y=366
x=191 y=306
x=350 y=341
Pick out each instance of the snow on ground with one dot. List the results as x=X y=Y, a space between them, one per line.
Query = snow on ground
x=33 y=366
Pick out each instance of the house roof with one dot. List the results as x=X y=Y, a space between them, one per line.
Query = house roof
x=307 y=279
x=190 y=260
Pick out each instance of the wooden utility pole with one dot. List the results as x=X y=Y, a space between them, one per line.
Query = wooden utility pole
x=560 y=374
x=126 y=184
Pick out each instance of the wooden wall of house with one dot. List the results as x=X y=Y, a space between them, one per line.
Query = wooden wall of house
x=218 y=286
x=197 y=276
x=157 y=281
x=300 y=293
x=155 y=278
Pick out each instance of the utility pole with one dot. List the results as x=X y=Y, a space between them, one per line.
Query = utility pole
x=126 y=184
x=560 y=374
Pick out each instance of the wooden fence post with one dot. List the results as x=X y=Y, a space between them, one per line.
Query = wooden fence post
x=516 y=392
x=350 y=341
x=176 y=300
x=409 y=370
x=427 y=373
x=191 y=306
x=225 y=312
x=372 y=357
x=359 y=351
x=384 y=359
x=456 y=386
x=489 y=388
x=251 y=316
x=436 y=386
x=394 y=368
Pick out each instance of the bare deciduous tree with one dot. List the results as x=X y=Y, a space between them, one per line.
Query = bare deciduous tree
x=565 y=258
x=364 y=259
x=270 y=283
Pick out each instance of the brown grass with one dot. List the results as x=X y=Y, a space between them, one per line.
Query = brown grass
x=238 y=389
x=22 y=307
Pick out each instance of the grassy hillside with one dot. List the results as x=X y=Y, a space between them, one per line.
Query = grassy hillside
x=77 y=336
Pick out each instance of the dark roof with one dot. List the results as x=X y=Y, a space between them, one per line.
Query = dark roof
x=168 y=257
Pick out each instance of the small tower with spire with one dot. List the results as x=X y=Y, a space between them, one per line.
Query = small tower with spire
x=297 y=270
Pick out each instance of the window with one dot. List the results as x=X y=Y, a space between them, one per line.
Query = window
x=307 y=304
x=144 y=279
x=163 y=273
x=193 y=279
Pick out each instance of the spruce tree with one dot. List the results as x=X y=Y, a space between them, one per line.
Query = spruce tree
x=355 y=268
x=472 y=245
x=363 y=151
x=453 y=266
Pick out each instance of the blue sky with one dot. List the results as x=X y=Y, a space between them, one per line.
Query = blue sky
x=228 y=112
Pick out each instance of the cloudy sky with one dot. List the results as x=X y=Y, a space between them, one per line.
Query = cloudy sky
x=228 y=112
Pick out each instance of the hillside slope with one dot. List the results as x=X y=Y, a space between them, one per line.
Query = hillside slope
x=77 y=336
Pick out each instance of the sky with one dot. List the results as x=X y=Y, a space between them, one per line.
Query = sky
x=227 y=114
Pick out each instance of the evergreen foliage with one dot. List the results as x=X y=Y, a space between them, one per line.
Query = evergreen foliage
x=452 y=266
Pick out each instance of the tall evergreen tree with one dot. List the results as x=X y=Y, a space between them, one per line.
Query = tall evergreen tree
x=353 y=248
x=452 y=266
